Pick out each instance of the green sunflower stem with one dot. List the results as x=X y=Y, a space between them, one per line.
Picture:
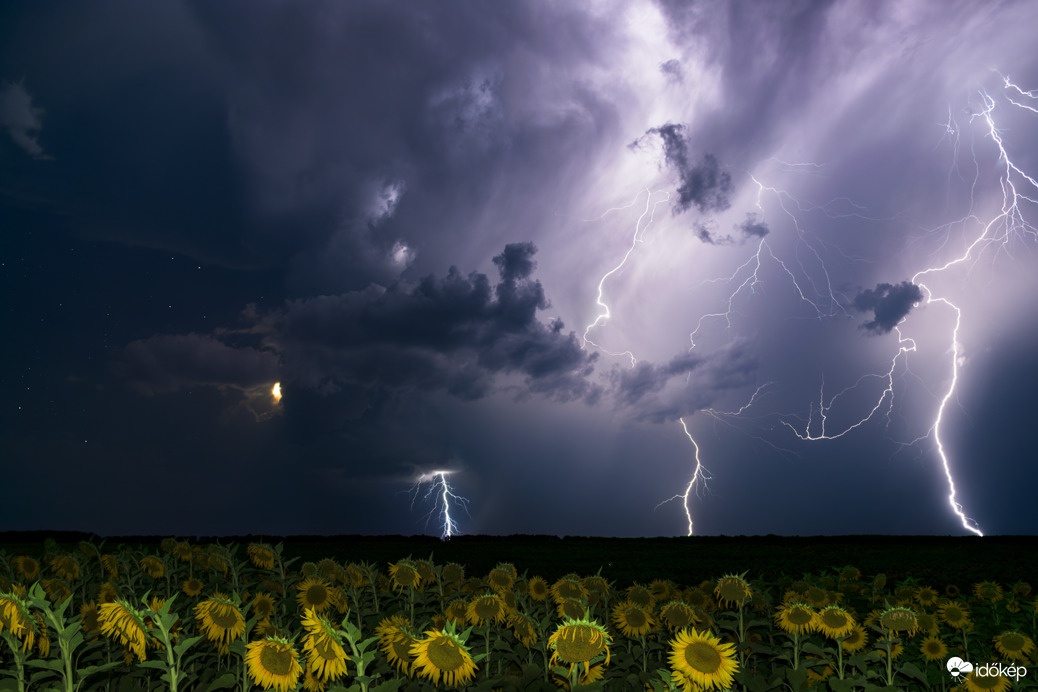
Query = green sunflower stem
x=890 y=660
x=486 y=641
x=796 y=651
x=839 y=656
x=19 y=659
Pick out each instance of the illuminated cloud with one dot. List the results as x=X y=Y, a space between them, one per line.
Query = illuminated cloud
x=22 y=119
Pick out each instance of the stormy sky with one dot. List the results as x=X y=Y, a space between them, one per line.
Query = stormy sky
x=530 y=244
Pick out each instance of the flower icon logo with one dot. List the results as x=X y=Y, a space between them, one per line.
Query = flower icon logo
x=956 y=666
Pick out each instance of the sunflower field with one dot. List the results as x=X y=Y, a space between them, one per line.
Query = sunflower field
x=203 y=617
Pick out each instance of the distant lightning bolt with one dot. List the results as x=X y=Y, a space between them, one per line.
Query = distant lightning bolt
x=442 y=496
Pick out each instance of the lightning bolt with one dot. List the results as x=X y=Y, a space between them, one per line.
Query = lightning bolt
x=441 y=495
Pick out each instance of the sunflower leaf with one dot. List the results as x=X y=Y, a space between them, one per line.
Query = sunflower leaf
x=183 y=645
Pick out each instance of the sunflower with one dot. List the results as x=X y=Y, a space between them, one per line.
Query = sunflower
x=539 y=589
x=954 y=614
x=88 y=618
x=443 y=654
x=850 y=573
x=834 y=622
x=323 y=645
x=597 y=589
x=311 y=683
x=933 y=648
x=927 y=622
x=56 y=589
x=732 y=590
x=796 y=618
x=899 y=619
x=356 y=576
x=16 y=617
x=221 y=621
x=396 y=640
x=500 y=579
x=571 y=609
x=273 y=662
x=816 y=597
x=218 y=563
x=193 y=587
x=677 y=615
x=856 y=640
x=314 y=593
x=896 y=649
x=66 y=567
x=111 y=566
x=701 y=658
x=405 y=574
x=107 y=593
x=595 y=673
x=452 y=573
x=1021 y=588
x=988 y=591
x=182 y=551
x=427 y=571
x=579 y=642
x=926 y=596
x=975 y=682
x=456 y=611
x=120 y=620
x=153 y=566
x=951 y=591
x=570 y=586
x=636 y=593
x=262 y=555
x=27 y=566
x=632 y=619
x=486 y=609
x=1014 y=646
x=523 y=629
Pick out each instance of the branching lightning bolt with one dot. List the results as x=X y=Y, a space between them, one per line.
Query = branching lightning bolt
x=441 y=495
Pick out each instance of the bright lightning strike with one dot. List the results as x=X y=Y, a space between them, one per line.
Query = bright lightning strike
x=276 y=392
x=442 y=496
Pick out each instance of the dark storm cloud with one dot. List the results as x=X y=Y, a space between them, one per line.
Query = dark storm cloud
x=685 y=384
x=702 y=183
x=888 y=303
x=164 y=364
x=672 y=68
x=752 y=227
x=454 y=334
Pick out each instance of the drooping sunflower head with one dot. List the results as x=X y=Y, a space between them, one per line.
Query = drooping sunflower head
x=457 y=611
x=66 y=567
x=988 y=591
x=523 y=629
x=110 y=565
x=796 y=618
x=28 y=567
x=632 y=619
x=732 y=590
x=262 y=555
x=121 y=621
x=273 y=662
x=597 y=589
x=221 y=621
x=579 y=642
x=834 y=622
x=569 y=608
x=899 y=619
x=314 y=593
x=57 y=591
x=488 y=608
x=452 y=573
x=568 y=587
x=678 y=615
x=324 y=648
x=442 y=653
x=396 y=640
x=405 y=575
x=1014 y=646
x=856 y=640
x=500 y=579
x=933 y=648
x=702 y=659
x=153 y=566
x=88 y=618
x=641 y=595
x=426 y=570
x=1021 y=589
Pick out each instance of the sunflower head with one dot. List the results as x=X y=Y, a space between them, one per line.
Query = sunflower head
x=568 y=608
x=597 y=589
x=678 y=615
x=701 y=659
x=153 y=566
x=192 y=587
x=273 y=662
x=314 y=593
x=121 y=621
x=641 y=595
x=523 y=629
x=899 y=619
x=452 y=573
x=834 y=622
x=954 y=614
x=221 y=621
x=633 y=620
x=443 y=653
x=568 y=587
x=66 y=567
x=933 y=648
x=988 y=591
x=539 y=589
x=732 y=590
x=500 y=580
x=405 y=575
x=1014 y=646
x=262 y=555
x=486 y=609
x=579 y=642
x=324 y=648
x=796 y=618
